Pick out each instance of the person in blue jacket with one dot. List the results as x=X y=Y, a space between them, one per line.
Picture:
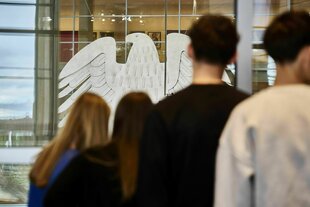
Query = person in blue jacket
x=86 y=126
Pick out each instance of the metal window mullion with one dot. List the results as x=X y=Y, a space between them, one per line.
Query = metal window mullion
x=245 y=15
x=54 y=68
x=73 y=30
x=179 y=17
x=36 y=74
x=165 y=69
x=126 y=27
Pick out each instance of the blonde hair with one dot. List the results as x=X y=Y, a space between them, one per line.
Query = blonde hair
x=86 y=126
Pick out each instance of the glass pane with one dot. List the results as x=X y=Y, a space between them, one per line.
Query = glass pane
x=150 y=25
x=66 y=8
x=301 y=4
x=263 y=66
x=17 y=83
x=146 y=7
x=24 y=73
x=16 y=99
x=200 y=7
x=107 y=8
x=14 y=183
x=23 y=17
x=19 y=1
x=186 y=23
x=173 y=7
x=67 y=24
x=45 y=18
x=15 y=47
x=106 y=26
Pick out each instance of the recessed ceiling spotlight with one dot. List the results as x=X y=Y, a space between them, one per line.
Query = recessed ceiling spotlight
x=103 y=20
x=113 y=20
x=141 y=21
x=102 y=14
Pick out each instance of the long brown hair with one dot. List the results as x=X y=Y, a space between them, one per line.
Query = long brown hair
x=86 y=126
x=128 y=125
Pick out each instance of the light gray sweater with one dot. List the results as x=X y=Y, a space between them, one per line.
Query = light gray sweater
x=264 y=154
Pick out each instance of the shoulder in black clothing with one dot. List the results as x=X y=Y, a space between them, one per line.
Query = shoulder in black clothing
x=179 y=144
x=89 y=180
x=105 y=154
x=195 y=95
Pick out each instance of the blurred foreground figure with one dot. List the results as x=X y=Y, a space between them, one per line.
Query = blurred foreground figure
x=264 y=154
x=105 y=176
x=177 y=157
x=86 y=126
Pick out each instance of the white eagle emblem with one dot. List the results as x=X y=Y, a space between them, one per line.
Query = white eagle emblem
x=94 y=69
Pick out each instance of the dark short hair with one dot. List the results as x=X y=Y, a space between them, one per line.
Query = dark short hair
x=287 y=35
x=214 y=39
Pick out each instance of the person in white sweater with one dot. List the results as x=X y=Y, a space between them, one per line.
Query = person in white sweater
x=264 y=155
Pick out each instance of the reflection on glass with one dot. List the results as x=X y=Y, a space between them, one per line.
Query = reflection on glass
x=24 y=16
x=66 y=24
x=45 y=20
x=146 y=7
x=186 y=22
x=13 y=183
x=152 y=26
x=199 y=7
x=109 y=27
x=66 y=9
x=263 y=66
x=300 y=4
x=108 y=8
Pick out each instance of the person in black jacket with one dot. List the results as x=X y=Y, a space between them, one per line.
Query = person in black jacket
x=180 y=139
x=106 y=176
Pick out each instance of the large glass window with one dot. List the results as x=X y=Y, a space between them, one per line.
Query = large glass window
x=26 y=90
x=39 y=37
x=35 y=45
x=82 y=22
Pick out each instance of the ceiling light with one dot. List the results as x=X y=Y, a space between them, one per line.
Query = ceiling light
x=141 y=21
x=103 y=20
x=102 y=14
x=129 y=19
x=46 y=19
x=113 y=20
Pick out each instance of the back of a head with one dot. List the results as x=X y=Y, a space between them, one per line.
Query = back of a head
x=287 y=35
x=130 y=115
x=129 y=121
x=214 y=39
x=86 y=126
x=88 y=121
